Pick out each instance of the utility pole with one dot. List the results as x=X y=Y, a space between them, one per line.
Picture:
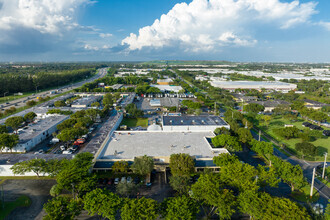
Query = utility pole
x=325 y=162
x=312 y=186
x=259 y=135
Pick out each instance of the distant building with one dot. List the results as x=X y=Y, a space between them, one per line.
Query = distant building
x=193 y=123
x=258 y=85
x=85 y=101
x=314 y=104
x=243 y=98
x=164 y=81
x=270 y=105
x=168 y=88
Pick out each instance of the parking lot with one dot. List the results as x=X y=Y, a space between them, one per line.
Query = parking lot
x=36 y=190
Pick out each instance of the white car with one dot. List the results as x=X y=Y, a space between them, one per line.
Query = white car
x=67 y=152
x=123 y=180
x=62 y=148
x=116 y=181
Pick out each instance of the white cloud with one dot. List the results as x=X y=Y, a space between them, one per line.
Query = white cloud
x=45 y=16
x=326 y=25
x=210 y=24
x=105 y=35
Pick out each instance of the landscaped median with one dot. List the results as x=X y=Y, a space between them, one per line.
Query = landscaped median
x=22 y=201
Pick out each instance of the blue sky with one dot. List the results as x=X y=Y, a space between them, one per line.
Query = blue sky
x=136 y=30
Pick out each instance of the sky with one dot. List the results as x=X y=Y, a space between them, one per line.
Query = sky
x=142 y=30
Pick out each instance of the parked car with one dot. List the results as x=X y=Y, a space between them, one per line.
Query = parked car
x=129 y=179
x=116 y=181
x=123 y=180
x=62 y=148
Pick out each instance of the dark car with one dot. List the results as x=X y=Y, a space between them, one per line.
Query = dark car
x=136 y=180
x=326 y=133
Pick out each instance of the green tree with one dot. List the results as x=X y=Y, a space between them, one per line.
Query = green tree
x=180 y=183
x=3 y=129
x=143 y=165
x=29 y=117
x=244 y=135
x=126 y=189
x=225 y=159
x=95 y=104
x=8 y=140
x=120 y=167
x=69 y=123
x=221 y=130
x=59 y=103
x=103 y=203
x=266 y=119
x=287 y=132
x=37 y=166
x=142 y=208
x=262 y=148
x=292 y=175
x=267 y=177
x=253 y=107
x=229 y=142
x=61 y=207
x=76 y=176
x=55 y=190
x=208 y=191
x=31 y=103
x=257 y=205
x=182 y=164
x=68 y=134
x=306 y=148
x=180 y=208
x=14 y=122
x=107 y=99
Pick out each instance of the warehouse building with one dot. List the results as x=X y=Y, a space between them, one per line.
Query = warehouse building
x=193 y=123
x=270 y=105
x=168 y=88
x=258 y=85
x=38 y=131
x=85 y=102
x=164 y=81
x=160 y=145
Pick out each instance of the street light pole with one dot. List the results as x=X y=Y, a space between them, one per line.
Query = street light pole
x=325 y=162
x=312 y=186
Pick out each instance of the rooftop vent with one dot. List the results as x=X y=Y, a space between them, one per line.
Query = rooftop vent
x=181 y=121
x=193 y=121
x=203 y=121
x=170 y=121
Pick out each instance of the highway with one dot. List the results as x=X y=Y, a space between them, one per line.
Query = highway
x=22 y=101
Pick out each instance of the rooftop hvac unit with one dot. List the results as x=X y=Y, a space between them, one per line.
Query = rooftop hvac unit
x=193 y=121
x=203 y=121
x=181 y=121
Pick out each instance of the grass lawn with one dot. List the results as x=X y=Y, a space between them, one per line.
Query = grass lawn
x=134 y=122
x=303 y=194
x=22 y=201
x=323 y=143
x=4 y=178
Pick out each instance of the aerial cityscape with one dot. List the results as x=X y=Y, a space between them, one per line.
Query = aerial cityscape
x=190 y=109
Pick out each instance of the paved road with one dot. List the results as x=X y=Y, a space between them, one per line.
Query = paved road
x=22 y=101
x=307 y=170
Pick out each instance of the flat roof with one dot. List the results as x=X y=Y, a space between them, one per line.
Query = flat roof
x=193 y=120
x=167 y=88
x=158 y=144
x=41 y=126
x=85 y=101
x=252 y=84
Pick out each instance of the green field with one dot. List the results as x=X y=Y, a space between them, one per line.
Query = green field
x=22 y=201
x=323 y=143
x=134 y=122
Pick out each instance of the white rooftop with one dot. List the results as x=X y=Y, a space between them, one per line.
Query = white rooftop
x=159 y=144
